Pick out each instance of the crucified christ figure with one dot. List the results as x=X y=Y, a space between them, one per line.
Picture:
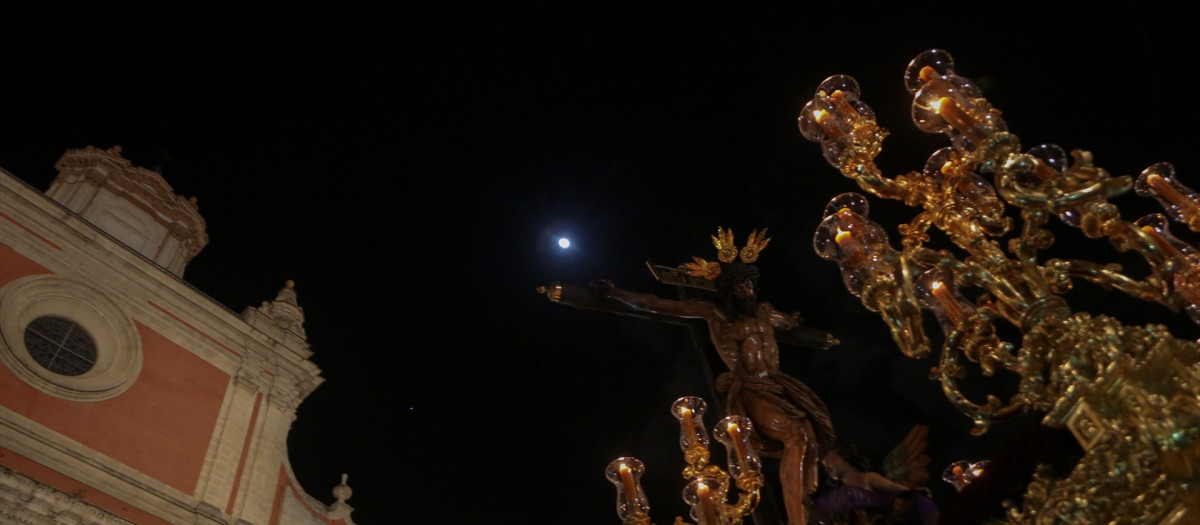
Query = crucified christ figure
x=790 y=421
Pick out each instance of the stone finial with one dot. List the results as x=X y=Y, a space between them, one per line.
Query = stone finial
x=281 y=319
x=285 y=310
x=342 y=492
x=339 y=508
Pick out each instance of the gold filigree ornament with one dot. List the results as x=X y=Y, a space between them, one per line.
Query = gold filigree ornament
x=754 y=245
x=726 y=250
x=1130 y=394
x=702 y=268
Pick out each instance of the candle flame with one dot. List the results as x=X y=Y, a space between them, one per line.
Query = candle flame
x=820 y=115
x=937 y=285
x=937 y=104
x=842 y=236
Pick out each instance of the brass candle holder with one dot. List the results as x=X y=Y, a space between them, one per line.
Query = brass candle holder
x=1130 y=394
x=708 y=489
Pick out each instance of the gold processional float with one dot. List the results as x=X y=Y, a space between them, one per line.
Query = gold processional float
x=1129 y=394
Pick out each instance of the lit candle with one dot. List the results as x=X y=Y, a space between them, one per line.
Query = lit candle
x=689 y=426
x=825 y=120
x=841 y=103
x=707 y=512
x=959 y=119
x=958 y=474
x=953 y=310
x=627 y=481
x=1168 y=191
x=976 y=471
x=1163 y=244
x=846 y=241
x=946 y=166
x=735 y=436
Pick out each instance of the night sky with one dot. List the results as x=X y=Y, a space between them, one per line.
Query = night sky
x=413 y=170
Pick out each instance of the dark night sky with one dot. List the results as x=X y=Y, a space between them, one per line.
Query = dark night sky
x=411 y=170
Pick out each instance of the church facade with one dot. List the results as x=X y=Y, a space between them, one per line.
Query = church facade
x=126 y=395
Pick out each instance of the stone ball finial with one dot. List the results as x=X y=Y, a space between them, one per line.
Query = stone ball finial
x=290 y=283
x=342 y=492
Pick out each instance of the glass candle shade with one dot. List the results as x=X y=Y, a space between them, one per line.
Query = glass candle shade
x=829 y=118
x=1156 y=226
x=626 y=474
x=925 y=67
x=960 y=474
x=689 y=410
x=734 y=432
x=1177 y=200
x=705 y=499
x=936 y=291
x=941 y=164
x=944 y=102
x=847 y=237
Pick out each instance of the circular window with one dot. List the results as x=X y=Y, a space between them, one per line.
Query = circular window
x=60 y=345
x=67 y=338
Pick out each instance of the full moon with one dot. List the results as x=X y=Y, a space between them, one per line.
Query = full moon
x=564 y=243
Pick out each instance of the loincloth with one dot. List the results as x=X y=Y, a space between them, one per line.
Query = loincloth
x=798 y=401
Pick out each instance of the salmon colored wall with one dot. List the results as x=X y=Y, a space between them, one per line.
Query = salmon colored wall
x=37 y=472
x=161 y=426
x=13 y=265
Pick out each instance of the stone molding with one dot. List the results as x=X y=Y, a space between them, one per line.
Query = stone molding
x=118 y=345
x=66 y=456
x=28 y=502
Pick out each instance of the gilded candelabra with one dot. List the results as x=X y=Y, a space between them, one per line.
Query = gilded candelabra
x=709 y=485
x=1129 y=394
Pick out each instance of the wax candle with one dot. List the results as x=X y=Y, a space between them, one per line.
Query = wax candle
x=842 y=103
x=1167 y=190
x=846 y=241
x=1163 y=244
x=627 y=481
x=953 y=310
x=689 y=426
x=957 y=118
x=735 y=436
x=825 y=120
x=708 y=512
